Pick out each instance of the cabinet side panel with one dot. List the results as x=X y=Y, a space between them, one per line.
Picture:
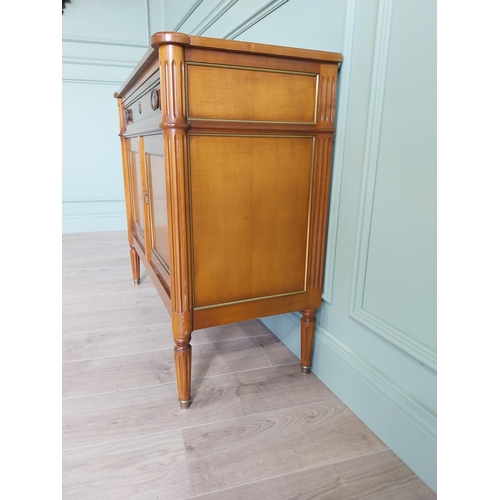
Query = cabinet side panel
x=250 y=199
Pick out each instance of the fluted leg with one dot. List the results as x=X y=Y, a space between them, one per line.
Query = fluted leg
x=136 y=268
x=182 y=355
x=307 y=328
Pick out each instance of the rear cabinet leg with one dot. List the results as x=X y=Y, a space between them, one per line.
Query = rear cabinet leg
x=307 y=329
x=182 y=356
x=136 y=268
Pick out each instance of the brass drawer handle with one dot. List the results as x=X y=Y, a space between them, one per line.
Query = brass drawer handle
x=155 y=99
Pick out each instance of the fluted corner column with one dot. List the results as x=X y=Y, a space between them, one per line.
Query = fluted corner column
x=175 y=126
x=136 y=266
x=134 y=256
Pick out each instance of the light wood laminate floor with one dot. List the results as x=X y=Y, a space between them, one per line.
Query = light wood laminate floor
x=257 y=429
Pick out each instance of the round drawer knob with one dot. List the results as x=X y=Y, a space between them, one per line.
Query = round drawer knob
x=129 y=118
x=155 y=99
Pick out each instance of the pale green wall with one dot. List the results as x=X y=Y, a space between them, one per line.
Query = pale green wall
x=376 y=337
x=100 y=48
x=376 y=340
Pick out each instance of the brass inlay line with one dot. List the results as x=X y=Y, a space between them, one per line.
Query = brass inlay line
x=162 y=262
x=261 y=135
x=247 y=121
x=251 y=68
x=242 y=301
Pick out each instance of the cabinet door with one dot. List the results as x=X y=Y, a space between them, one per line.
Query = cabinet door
x=154 y=161
x=136 y=192
x=251 y=204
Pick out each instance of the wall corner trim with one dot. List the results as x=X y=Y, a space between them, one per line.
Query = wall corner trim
x=339 y=151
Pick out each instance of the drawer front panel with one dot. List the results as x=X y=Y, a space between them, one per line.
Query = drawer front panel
x=218 y=92
x=143 y=105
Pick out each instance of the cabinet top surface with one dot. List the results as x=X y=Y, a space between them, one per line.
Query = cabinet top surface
x=198 y=42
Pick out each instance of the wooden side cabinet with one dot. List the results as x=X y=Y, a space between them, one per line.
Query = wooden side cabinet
x=226 y=150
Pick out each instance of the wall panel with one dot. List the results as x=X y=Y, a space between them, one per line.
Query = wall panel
x=113 y=22
x=376 y=329
x=313 y=24
x=401 y=254
x=92 y=176
x=102 y=43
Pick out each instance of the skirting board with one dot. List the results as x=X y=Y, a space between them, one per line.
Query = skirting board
x=407 y=429
x=85 y=216
x=93 y=223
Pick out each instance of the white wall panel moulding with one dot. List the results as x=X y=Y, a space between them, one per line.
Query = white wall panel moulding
x=95 y=73
x=396 y=337
x=113 y=83
x=113 y=54
x=114 y=42
x=203 y=15
x=179 y=26
x=93 y=61
x=213 y=16
x=107 y=22
x=416 y=410
x=378 y=86
x=260 y=11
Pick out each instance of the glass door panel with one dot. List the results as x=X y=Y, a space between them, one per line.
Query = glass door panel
x=158 y=207
x=159 y=256
x=137 y=193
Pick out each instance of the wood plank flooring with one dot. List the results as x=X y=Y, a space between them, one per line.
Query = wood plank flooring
x=257 y=429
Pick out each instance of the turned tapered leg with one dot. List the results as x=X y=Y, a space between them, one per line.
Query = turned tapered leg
x=307 y=328
x=136 y=268
x=182 y=356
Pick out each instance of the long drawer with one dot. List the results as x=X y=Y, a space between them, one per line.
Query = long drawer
x=142 y=109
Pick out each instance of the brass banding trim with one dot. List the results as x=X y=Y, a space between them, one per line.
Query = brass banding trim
x=251 y=68
x=162 y=262
x=243 y=301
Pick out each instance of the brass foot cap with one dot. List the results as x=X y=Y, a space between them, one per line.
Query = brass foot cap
x=306 y=369
x=137 y=281
x=185 y=404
